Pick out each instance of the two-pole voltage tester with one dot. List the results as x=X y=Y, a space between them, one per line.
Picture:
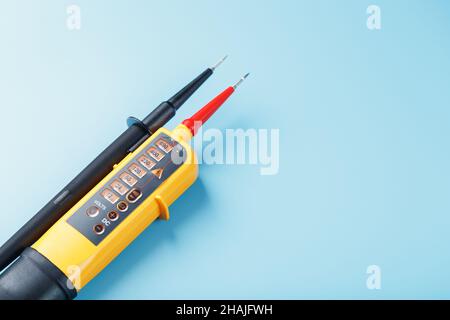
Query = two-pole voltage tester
x=138 y=190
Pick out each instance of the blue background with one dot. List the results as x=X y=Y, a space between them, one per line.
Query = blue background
x=364 y=150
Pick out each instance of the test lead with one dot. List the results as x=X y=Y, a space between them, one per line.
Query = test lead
x=193 y=123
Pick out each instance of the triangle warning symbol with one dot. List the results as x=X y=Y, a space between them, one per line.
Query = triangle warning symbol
x=158 y=172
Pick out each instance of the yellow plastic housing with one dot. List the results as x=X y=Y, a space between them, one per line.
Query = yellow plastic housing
x=78 y=258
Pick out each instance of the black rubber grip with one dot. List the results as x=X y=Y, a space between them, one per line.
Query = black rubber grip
x=34 y=277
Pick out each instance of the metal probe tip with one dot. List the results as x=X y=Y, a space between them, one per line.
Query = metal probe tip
x=214 y=67
x=240 y=81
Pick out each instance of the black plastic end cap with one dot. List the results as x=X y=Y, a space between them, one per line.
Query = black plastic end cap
x=34 y=277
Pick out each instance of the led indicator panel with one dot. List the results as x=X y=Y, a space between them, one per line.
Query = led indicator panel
x=128 y=179
x=155 y=153
x=119 y=187
x=137 y=171
x=146 y=162
x=127 y=189
x=164 y=145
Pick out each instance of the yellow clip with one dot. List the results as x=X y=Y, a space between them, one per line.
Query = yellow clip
x=163 y=208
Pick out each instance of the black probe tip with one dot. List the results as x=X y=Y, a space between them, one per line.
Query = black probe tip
x=214 y=67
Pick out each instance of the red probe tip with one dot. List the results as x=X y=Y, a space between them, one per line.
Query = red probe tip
x=200 y=117
x=241 y=80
